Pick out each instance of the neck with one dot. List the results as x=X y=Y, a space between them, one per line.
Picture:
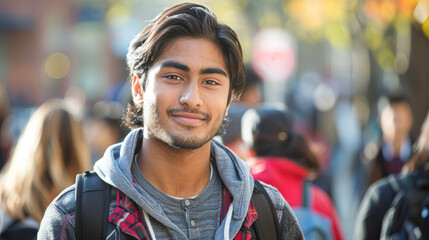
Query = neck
x=180 y=173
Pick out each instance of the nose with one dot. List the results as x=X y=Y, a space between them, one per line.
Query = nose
x=191 y=95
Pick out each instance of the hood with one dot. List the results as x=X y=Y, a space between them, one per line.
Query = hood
x=283 y=168
x=115 y=169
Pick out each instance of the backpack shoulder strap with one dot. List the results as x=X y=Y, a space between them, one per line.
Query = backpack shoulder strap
x=267 y=224
x=92 y=206
x=306 y=193
x=394 y=183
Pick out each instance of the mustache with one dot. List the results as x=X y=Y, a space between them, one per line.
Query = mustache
x=189 y=110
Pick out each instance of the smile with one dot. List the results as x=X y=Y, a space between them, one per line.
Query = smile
x=188 y=118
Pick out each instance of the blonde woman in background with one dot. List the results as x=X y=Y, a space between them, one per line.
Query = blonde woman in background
x=48 y=155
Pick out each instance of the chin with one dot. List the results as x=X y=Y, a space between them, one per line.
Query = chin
x=187 y=145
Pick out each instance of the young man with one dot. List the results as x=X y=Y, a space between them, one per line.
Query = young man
x=396 y=120
x=171 y=181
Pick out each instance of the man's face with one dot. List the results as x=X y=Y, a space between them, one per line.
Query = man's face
x=403 y=118
x=186 y=96
x=396 y=120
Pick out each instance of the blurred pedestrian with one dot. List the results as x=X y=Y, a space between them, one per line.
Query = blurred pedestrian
x=48 y=155
x=396 y=120
x=103 y=127
x=380 y=197
x=285 y=161
x=251 y=97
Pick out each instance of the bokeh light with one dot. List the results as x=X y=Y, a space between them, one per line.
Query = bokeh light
x=324 y=97
x=421 y=12
x=57 y=65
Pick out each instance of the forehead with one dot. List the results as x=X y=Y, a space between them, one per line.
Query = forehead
x=199 y=52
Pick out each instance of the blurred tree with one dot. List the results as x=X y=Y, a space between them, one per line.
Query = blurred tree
x=395 y=33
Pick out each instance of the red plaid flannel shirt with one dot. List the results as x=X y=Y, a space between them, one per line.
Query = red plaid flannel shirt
x=127 y=217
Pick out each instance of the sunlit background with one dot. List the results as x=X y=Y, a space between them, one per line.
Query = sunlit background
x=329 y=60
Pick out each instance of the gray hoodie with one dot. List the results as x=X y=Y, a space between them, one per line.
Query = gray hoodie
x=115 y=169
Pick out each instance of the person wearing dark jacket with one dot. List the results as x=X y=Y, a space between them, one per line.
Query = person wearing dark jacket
x=396 y=120
x=380 y=195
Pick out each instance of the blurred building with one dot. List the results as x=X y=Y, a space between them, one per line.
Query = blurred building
x=48 y=46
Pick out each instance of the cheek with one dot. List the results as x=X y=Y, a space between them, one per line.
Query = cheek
x=219 y=107
x=155 y=94
x=158 y=101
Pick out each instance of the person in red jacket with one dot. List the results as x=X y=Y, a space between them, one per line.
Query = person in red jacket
x=285 y=161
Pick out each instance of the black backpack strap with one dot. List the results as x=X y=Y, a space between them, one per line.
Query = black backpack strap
x=92 y=206
x=267 y=225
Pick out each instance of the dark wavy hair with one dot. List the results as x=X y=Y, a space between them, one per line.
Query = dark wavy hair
x=182 y=20
x=270 y=131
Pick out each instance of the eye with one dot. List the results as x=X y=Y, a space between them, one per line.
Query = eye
x=173 y=77
x=211 y=82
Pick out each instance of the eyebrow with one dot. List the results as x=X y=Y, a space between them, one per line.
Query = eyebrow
x=213 y=71
x=174 y=64
x=185 y=68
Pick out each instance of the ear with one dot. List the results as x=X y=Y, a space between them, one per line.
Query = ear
x=137 y=90
x=229 y=104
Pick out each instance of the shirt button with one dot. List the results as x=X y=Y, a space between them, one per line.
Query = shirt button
x=187 y=202
x=192 y=223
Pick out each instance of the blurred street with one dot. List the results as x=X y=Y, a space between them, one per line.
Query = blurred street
x=331 y=62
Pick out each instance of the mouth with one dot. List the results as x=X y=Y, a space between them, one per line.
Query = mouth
x=188 y=118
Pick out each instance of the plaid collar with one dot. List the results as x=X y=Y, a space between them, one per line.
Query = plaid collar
x=127 y=217
x=252 y=215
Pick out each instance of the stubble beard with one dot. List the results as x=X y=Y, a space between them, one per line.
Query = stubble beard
x=153 y=124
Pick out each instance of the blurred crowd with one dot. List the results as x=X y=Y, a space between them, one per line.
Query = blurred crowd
x=342 y=188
